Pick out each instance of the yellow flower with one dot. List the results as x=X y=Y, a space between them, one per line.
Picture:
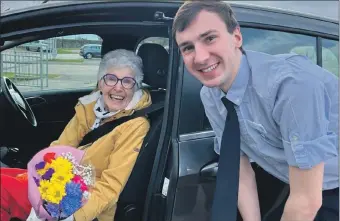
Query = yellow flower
x=43 y=171
x=55 y=193
x=61 y=177
x=61 y=165
x=43 y=189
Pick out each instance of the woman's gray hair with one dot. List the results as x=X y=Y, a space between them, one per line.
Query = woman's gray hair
x=122 y=58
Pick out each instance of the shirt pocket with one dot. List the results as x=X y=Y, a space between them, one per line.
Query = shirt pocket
x=259 y=140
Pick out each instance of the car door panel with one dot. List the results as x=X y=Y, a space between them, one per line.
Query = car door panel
x=194 y=191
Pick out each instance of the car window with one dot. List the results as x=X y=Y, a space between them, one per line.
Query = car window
x=156 y=40
x=53 y=64
x=330 y=55
x=278 y=42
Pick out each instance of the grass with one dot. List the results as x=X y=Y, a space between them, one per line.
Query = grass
x=68 y=60
x=26 y=77
x=67 y=50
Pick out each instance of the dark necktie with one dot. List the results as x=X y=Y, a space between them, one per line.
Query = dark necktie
x=226 y=190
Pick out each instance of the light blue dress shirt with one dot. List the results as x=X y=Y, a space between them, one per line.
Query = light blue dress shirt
x=288 y=112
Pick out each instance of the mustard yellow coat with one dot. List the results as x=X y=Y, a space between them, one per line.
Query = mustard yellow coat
x=112 y=155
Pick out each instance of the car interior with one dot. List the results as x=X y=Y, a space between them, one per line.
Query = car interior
x=53 y=110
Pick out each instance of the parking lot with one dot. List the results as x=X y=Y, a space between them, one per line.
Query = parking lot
x=68 y=70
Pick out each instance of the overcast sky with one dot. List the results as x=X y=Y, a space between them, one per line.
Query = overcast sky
x=321 y=8
x=328 y=9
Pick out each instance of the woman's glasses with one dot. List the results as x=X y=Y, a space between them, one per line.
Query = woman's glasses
x=111 y=80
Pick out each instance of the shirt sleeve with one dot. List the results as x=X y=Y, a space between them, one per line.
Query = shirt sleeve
x=302 y=112
x=216 y=119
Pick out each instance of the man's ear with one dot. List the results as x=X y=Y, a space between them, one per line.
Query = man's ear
x=238 y=37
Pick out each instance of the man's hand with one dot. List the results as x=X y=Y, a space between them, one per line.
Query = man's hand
x=305 y=198
x=248 y=201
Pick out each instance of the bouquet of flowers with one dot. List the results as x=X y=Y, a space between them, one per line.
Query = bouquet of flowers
x=58 y=183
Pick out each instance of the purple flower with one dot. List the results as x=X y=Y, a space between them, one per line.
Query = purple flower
x=37 y=181
x=40 y=165
x=48 y=174
x=53 y=209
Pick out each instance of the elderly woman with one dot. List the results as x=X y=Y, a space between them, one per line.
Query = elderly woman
x=113 y=155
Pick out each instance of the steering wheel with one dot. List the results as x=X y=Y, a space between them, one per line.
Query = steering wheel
x=17 y=101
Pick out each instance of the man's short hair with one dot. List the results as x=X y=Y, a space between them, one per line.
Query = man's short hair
x=190 y=9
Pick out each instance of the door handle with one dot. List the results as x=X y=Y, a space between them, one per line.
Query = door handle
x=209 y=170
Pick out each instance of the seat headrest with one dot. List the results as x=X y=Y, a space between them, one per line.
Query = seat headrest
x=155 y=62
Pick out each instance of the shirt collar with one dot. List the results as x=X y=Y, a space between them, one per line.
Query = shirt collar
x=238 y=88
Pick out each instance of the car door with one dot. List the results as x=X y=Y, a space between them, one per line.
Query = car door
x=193 y=148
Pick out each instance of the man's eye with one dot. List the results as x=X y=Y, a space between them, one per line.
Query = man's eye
x=188 y=48
x=210 y=38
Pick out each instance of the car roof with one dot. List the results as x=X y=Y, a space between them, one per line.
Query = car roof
x=36 y=5
x=107 y=12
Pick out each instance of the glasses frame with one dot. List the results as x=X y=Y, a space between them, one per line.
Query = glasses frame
x=119 y=79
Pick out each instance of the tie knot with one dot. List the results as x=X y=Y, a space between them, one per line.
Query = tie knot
x=228 y=104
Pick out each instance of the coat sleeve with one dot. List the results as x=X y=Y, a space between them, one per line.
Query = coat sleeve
x=72 y=134
x=107 y=189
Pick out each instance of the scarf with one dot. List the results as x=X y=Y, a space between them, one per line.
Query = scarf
x=102 y=113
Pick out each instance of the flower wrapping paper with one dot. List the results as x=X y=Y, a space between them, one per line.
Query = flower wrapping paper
x=58 y=183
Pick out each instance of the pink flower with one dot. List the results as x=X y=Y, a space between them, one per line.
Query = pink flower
x=79 y=179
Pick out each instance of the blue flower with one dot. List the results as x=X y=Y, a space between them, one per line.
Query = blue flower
x=73 y=189
x=73 y=199
x=53 y=209
x=70 y=205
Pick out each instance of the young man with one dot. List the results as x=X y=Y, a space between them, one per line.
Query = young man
x=287 y=109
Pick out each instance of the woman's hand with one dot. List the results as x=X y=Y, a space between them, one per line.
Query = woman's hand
x=33 y=216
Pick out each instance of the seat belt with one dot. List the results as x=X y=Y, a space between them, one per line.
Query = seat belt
x=102 y=130
x=226 y=192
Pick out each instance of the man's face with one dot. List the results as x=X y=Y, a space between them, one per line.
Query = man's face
x=209 y=51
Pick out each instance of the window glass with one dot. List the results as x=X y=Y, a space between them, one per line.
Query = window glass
x=55 y=63
x=277 y=42
x=330 y=55
x=156 y=40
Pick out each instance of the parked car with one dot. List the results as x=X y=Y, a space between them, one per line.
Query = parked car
x=174 y=176
x=91 y=50
x=37 y=46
